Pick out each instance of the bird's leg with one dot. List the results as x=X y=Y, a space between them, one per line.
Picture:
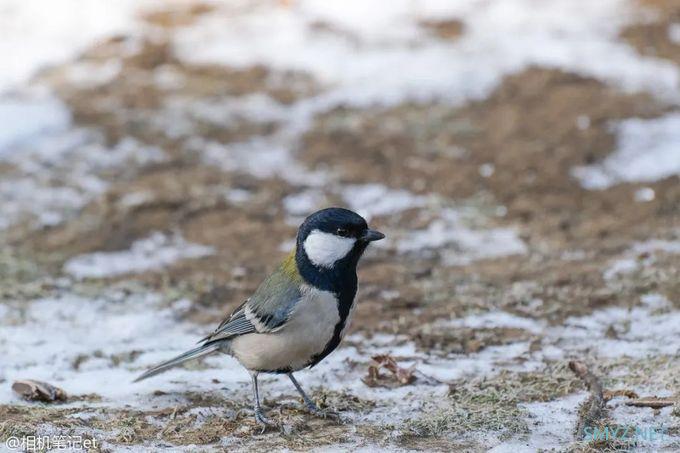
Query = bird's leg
x=313 y=408
x=259 y=416
x=308 y=401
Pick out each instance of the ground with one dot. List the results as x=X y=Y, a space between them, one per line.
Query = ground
x=522 y=160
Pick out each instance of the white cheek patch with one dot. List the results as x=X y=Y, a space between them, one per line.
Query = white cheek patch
x=324 y=249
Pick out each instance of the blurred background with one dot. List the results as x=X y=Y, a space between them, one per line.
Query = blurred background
x=522 y=156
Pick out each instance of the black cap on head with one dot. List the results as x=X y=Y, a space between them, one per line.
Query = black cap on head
x=339 y=221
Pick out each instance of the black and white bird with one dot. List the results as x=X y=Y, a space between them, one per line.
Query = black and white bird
x=300 y=313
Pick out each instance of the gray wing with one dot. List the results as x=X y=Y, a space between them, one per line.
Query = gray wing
x=266 y=311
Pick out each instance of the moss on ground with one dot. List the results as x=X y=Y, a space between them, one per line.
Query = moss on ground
x=493 y=404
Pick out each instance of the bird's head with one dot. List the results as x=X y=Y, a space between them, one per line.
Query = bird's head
x=334 y=235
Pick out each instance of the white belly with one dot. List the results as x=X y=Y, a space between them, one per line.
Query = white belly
x=305 y=335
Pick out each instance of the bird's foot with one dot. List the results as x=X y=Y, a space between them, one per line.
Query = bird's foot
x=262 y=420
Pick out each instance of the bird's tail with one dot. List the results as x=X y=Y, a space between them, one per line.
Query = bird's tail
x=189 y=355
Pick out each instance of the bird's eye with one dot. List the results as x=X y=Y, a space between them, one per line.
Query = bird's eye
x=344 y=232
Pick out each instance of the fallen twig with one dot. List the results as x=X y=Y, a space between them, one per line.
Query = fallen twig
x=634 y=399
x=593 y=408
x=651 y=401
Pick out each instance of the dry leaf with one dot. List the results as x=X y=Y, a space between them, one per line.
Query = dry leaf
x=38 y=391
x=609 y=394
x=397 y=376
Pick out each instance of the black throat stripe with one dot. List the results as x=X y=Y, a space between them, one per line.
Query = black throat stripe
x=341 y=280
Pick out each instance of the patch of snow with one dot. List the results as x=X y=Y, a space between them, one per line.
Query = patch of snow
x=24 y=118
x=552 y=423
x=115 y=336
x=393 y=405
x=167 y=77
x=377 y=52
x=574 y=255
x=674 y=33
x=647 y=151
x=656 y=245
x=86 y=75
x=654 y=301
x=373 y=200
x=621 y=266
x=303 y=203
x=24 y=196
x=512 y=446
x=134 y=199
x=353 y=47
x=154 y=252
x=55 y=332
x=58 y=173
x=583 y=122
x=648 y=329
x=649 y=427
x=641 y=254
x=486 y=170
x=641 y=331
x=43 y=339
x=460 y=244
x=363 y=447
x=287 y=245
x=644 y=194
x=369 y=200
x=551 y=426
x=260 y=158
x=478 y=244
x=238 y=196
x=498 y=319
x=36 y=34
x=257 y=107
x=485 y=363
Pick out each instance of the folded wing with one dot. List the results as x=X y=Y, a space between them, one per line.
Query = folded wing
x=266 y=311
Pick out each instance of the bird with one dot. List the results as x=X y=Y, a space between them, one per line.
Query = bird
x=300 y=313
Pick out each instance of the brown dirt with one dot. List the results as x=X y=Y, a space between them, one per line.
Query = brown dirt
x=516 y=148
x=466 y=340
x=651 y=38
x=130 y=105
x=528 y=131
x=180 y=16
x=178 y=426
x=445 y=29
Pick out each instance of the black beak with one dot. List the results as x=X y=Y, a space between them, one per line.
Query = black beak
x=371 y=235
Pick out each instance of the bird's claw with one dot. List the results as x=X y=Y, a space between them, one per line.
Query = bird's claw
x=262 y=420
x=314 y=409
